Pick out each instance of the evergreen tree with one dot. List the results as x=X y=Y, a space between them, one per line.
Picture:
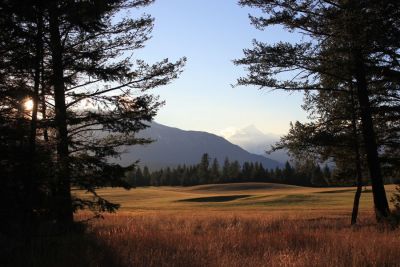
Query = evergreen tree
x=24 y=163
x=203 y=169
x=332 y=135
x=278 y=175
x=234 y=171
x=246 y=171
x=185 y=176
x=215 y=172
x=139 y=179
x=288 y=173
x=317 y=177
x=69 y=58
x=225 y=170
x=352 y=42
x=146 y=176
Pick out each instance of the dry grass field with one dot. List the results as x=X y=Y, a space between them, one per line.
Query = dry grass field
x=227 y=225
x=240 y=197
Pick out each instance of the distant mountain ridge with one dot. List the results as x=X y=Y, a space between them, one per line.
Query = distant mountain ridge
x=174 y=147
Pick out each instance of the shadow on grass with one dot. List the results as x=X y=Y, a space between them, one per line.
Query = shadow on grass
x=343 y=191
x=241 y=187
x=291 y=200
x=336 y=191
x=214 y=198
x=50 y=247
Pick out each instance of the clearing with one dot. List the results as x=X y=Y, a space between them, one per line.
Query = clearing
x=239 y=197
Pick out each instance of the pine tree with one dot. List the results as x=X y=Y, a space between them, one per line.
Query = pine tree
x=203 y=171
x=215 y=171
x=86 y=54
x=92 y=96
x=333 y=134
x=234 y=171
x=225 y=170
x=353 y=42
x=146 y=176
x=25 y=163
x=288 y=173
x=246 y=171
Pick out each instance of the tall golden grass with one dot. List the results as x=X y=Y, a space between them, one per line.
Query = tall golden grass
x=223 y=239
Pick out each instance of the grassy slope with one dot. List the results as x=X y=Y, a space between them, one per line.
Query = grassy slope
x=239 y=197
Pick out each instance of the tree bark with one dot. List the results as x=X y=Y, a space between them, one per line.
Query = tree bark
x=64 y=212
x=357 y=195
x=30 y=169
x=43 y=102
x=379 y=195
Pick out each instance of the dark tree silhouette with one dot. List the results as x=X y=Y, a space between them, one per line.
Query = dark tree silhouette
x=353 y=42
x=73 y=60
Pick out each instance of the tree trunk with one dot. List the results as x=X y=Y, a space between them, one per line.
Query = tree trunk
x=380 y=200
x=356 y=202
x=30 y=173
x=43 y=102
x=64 y=212
x=357 y=195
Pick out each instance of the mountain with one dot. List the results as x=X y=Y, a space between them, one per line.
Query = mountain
x=174 y=146
x=253 y=140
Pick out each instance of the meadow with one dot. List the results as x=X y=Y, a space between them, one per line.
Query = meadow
x=239 y=197
x=247 y=224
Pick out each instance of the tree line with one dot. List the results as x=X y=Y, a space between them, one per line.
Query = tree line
x=209 y=171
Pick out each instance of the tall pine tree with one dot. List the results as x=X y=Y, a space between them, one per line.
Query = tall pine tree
x=353 y=42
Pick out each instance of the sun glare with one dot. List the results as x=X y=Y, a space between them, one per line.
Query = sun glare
x=28 y=104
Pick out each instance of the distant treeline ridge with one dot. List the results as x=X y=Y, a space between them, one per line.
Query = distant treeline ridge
x=209 y=171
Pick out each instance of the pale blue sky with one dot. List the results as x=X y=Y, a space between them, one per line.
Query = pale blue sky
x=211 y=33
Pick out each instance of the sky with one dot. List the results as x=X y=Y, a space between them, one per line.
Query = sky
x=212 y=33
